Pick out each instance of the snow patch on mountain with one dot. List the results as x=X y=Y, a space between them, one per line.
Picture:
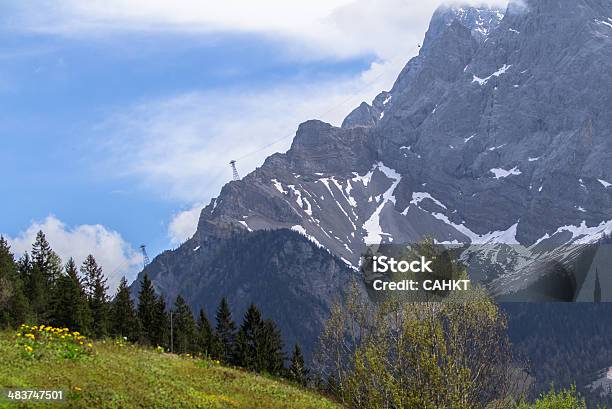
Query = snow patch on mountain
x=494 y=148
x=483 y=21
x=581 y=234
x=326 y=182
x=365 y=179
x=483 y=81
x=298 y=228
x=418 y=197
x=503 y=173
x=302 y=201
x=372 y=225
x=242 y=222
x=348 y=263
x=349 y=199
x=348 y=189
x=279 y=186
x=507 y=236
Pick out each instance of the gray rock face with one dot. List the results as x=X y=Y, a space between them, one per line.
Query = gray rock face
x=498 y=131
x=479 y=22
x=500 y=127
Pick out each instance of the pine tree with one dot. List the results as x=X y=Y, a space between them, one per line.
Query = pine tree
x=69 y=305
x=250 y=340
x=123 y=315
x=13 y=303
x=95 y=288
x=40 y=273
x=8 y=270
x=205 y=337
x=146 y=309
x=271 y=347
x=160 y=332
x=24 y=271
x=36 y=289
x=184 y=329
x=298 y=371
x=47 y=261
x=226 y=332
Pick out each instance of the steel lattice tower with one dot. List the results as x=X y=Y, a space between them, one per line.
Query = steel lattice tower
x=145 y=256
x=235 y=174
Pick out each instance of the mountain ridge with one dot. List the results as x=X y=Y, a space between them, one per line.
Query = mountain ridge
x=400 y=117
x=497 y=132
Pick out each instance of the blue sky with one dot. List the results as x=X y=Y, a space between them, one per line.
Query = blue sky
x=118 y=118
x=64 y=88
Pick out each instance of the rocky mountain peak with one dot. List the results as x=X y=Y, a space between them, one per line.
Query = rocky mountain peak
x=468 y=122
x=454 y=32
x=502 y=139
x=479 y=20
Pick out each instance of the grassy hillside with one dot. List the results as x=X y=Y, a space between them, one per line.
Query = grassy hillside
x=112 y=374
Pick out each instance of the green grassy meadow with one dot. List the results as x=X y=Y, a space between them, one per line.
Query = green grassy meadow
x=118 y=375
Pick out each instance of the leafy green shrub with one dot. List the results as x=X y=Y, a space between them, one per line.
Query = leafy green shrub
x=566 y=399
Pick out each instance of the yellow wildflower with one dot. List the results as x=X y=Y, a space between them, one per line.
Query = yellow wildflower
x=28 y=348
x=90 y=345
x=76 y=388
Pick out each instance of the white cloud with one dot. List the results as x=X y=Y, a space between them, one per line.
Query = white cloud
x=315 y=27
x=116 y=257
x=183 y=224
x=180 y=147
